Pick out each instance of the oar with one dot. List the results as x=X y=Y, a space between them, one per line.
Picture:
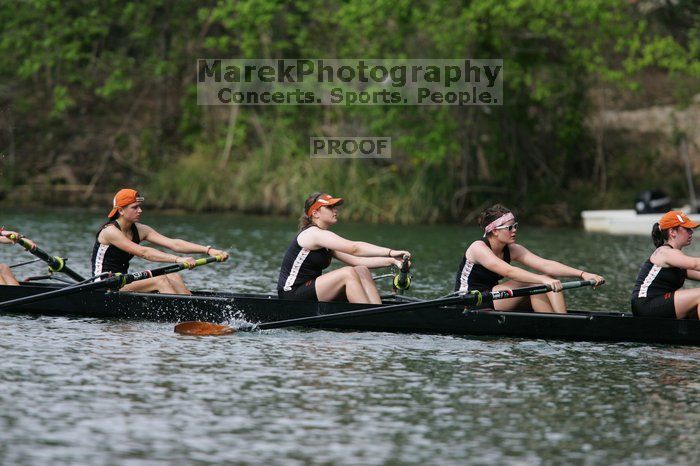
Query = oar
x=24 y=263
x=56 y=264
x=474 y=298
x=115 y=281
x=402 y=280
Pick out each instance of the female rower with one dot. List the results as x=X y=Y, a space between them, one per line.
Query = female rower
x=10 y=237
x=119 y=240
x=488 y=260
x=301 y=276
x=657 y=291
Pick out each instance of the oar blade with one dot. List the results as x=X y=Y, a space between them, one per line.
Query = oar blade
x=196 y=328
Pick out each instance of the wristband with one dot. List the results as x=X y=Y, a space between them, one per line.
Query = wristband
x=582 y=272
x=389 y=255
x=207 y=250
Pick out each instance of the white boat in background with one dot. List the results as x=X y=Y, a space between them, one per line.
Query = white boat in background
x=619 y=222
x=622 y=222
x=640 y=220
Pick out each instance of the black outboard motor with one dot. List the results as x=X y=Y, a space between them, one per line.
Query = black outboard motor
x=653 y=201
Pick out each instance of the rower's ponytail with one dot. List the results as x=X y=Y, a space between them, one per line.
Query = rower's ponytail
x=305 y=220
x=658 y=236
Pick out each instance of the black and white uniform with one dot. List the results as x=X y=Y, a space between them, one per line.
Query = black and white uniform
x=300 y=269
x=108 y=258
x=471 y=276
x=655 y=289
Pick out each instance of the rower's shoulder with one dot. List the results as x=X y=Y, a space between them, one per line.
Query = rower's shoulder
x=312 y=231
x=665 y=256
x=663 y=251
x=479 y=243
x=477 y=249
x=109 y=228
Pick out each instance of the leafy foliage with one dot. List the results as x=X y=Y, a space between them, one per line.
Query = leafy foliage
x=116 y=80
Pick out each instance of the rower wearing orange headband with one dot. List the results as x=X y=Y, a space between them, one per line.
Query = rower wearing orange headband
x=118 y=241
x=301 y=276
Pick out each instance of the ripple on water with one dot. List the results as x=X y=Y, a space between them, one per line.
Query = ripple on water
x=90 y=391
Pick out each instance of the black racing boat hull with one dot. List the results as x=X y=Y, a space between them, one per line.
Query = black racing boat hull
x=423 y=318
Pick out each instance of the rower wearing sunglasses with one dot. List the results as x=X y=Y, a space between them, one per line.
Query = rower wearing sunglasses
x=488 y=260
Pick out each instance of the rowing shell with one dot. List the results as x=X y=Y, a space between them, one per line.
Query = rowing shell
x=428 y=318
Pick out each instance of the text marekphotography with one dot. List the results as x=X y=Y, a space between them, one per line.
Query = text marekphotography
x=347 y=82
x=350 y=148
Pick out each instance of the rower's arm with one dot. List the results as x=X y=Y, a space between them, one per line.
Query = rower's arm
x=178 y=245
x=694 y=275
x=676 y=258
x=483 y=255
x=316 y=238
x=369 y=262
x=115 y=237
x=542 y=265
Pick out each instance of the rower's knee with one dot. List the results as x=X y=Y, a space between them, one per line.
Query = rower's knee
x=163 y=284
x=174 y=279
x=6 y=276
x=351 y=274
x=177 y=283
x=362 y=271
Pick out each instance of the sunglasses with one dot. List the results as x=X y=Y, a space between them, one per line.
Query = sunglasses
x=508 y=227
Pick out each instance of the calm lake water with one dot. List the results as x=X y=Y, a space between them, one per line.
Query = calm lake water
x=89 y=391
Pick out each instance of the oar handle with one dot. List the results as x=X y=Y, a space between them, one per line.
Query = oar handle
x=580 y=283
x=22 y=242
x=402 y=281
x=55 y=263
x=172 y=268
x=478 y=297
x=405 y=263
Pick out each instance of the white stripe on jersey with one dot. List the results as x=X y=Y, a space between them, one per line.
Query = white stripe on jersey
x=464 y=277
x=648 y=280
x=99 y=258
x=295 y=269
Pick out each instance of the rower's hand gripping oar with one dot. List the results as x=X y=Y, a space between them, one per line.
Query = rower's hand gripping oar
x=402 y=280
x=55 y=263
x=475 y=298
x=115 y=281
